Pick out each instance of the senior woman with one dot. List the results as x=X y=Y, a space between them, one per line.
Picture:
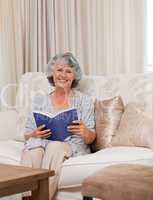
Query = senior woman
x=64 y=74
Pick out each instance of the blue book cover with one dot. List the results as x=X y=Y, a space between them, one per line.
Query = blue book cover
x=57 y=124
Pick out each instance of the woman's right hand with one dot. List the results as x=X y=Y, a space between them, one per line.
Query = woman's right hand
x=38 y=133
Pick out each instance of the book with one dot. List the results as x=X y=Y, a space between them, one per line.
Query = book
x=56 y=123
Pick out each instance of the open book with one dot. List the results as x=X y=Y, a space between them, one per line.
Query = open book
x=57 y=123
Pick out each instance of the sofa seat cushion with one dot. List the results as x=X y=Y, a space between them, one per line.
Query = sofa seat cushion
x=10 y=152
x=76 y=169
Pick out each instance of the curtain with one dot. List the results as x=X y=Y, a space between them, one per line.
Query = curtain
x=106 y=36
x=11 y=65
x=35 y=34
x=23 y=44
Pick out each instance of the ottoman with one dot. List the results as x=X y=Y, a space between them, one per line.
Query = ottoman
x=120 y=182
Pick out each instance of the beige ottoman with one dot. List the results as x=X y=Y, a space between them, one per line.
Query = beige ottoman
x=120 y=182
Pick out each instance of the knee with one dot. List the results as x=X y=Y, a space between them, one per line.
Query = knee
x=29 y=157
x=54 y=145
x=57 y=147
x=37 y=151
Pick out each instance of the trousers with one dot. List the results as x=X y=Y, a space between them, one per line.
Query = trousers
x=50 y=158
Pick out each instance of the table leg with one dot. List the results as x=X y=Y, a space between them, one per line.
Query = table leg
x=26 y=198
x=87 y=198
x=42 y=192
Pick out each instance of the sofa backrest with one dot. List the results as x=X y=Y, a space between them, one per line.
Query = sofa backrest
x=134 y=87
x=131 y=87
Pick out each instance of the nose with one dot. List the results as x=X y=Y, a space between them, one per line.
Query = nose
x=63 y=74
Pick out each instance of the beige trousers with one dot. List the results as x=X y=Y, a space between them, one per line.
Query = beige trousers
x=50 y=158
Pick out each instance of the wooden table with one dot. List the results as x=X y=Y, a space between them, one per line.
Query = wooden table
x=17 y=179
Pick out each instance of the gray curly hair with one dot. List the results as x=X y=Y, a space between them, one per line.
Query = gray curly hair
x=68 y=59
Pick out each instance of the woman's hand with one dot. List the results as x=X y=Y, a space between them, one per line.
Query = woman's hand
x=79 y=128
x=39 y=133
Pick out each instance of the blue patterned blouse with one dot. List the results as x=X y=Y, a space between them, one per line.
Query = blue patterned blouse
x=85 y=109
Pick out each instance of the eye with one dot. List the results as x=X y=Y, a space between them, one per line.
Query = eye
x=59 y=70
x=69 y=71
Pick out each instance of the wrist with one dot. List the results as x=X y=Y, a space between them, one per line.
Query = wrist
x=85 y=136
x=32 y=134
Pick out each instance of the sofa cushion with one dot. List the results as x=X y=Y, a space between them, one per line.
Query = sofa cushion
x=8 y=121
x=131 y=87
x=29 y=87
x=135 y=128
x=107 y=114
x=75 y=169
x=10 y=152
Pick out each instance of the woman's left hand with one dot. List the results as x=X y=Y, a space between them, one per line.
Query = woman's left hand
x=78 y=128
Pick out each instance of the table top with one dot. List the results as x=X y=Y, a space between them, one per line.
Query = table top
x=11 y=174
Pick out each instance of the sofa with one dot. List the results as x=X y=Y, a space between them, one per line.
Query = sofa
x=131 y=87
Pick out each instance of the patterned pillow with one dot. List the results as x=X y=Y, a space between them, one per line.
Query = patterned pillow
x=108 y=114
x=135 y=128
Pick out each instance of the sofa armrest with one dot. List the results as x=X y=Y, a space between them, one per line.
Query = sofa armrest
x=8 y=124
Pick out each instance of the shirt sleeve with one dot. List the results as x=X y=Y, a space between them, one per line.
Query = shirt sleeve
x=88 y=115
x=30 y=123
x=37 y=104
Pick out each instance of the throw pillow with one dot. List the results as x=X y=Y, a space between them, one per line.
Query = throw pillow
x=135 y=128
x=108 y=114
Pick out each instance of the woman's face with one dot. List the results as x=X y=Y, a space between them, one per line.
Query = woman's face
x=63 y=76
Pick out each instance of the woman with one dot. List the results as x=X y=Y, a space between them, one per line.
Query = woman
x=64 y=73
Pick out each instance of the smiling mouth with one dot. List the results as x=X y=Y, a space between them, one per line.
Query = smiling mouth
x=63 y=81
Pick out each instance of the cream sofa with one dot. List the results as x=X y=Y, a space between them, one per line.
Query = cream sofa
x=136 y=87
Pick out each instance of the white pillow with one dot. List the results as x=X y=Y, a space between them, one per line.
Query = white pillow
x=135 y=128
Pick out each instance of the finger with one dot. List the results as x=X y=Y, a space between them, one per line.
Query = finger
x=46 y=135
x=73 y=126
x=42 y=132
x=76 y=122
x=77 y=133
x=74 y=130
x=71 y=129
x=41 y=127
x=45 y=131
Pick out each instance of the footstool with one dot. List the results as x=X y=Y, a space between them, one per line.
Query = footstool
x=120 y=182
